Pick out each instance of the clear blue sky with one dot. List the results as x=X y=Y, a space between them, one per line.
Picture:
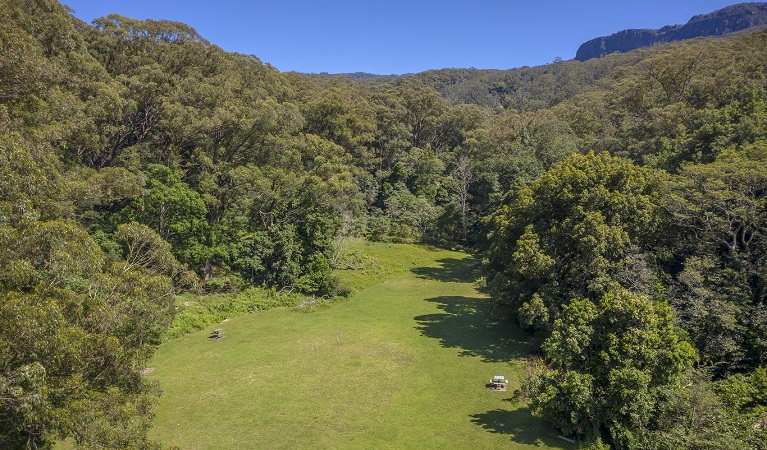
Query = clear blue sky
x=399 y=36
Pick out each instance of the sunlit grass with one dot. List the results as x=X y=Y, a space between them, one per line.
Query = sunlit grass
x=401 y=364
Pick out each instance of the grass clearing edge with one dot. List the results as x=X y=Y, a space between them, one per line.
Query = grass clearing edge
x=401 y=364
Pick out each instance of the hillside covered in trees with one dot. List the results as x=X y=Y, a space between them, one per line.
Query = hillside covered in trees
x=730 y=19
x=619 y=203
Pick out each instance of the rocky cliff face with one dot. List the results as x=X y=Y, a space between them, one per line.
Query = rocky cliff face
x=726 y=20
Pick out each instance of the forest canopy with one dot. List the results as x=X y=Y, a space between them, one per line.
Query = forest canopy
x=617 y=201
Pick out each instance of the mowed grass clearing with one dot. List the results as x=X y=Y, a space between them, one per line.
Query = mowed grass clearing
x=402 y=364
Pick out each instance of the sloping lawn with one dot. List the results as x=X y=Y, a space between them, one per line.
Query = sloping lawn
x=401 y=364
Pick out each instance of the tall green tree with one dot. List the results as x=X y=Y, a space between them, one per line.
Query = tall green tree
x=588 y=226
x=721 y=289
x=612 y=367
x=174 y=210
x=77 y=329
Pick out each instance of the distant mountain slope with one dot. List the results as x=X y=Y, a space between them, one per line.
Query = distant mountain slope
x=361 y=76
x=726 y=20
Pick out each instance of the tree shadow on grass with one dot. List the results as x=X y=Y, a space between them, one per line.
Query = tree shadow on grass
x=468 y=324
x=464 y=270
x=520 y=425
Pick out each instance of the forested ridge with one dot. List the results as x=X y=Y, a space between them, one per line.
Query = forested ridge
x=619 y=204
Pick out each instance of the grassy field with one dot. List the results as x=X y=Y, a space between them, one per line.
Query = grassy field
x=401 y=364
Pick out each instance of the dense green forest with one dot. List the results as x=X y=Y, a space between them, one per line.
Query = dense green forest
x=620 y=205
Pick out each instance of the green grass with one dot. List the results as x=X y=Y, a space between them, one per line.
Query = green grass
x=401 y=364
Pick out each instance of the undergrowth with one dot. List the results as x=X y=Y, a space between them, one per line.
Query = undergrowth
x=196 y=312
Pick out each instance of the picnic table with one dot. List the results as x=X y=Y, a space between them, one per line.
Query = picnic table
x=498 y=383
x=218 y=333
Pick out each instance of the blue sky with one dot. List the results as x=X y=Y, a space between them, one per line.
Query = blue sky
x=399 y=36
